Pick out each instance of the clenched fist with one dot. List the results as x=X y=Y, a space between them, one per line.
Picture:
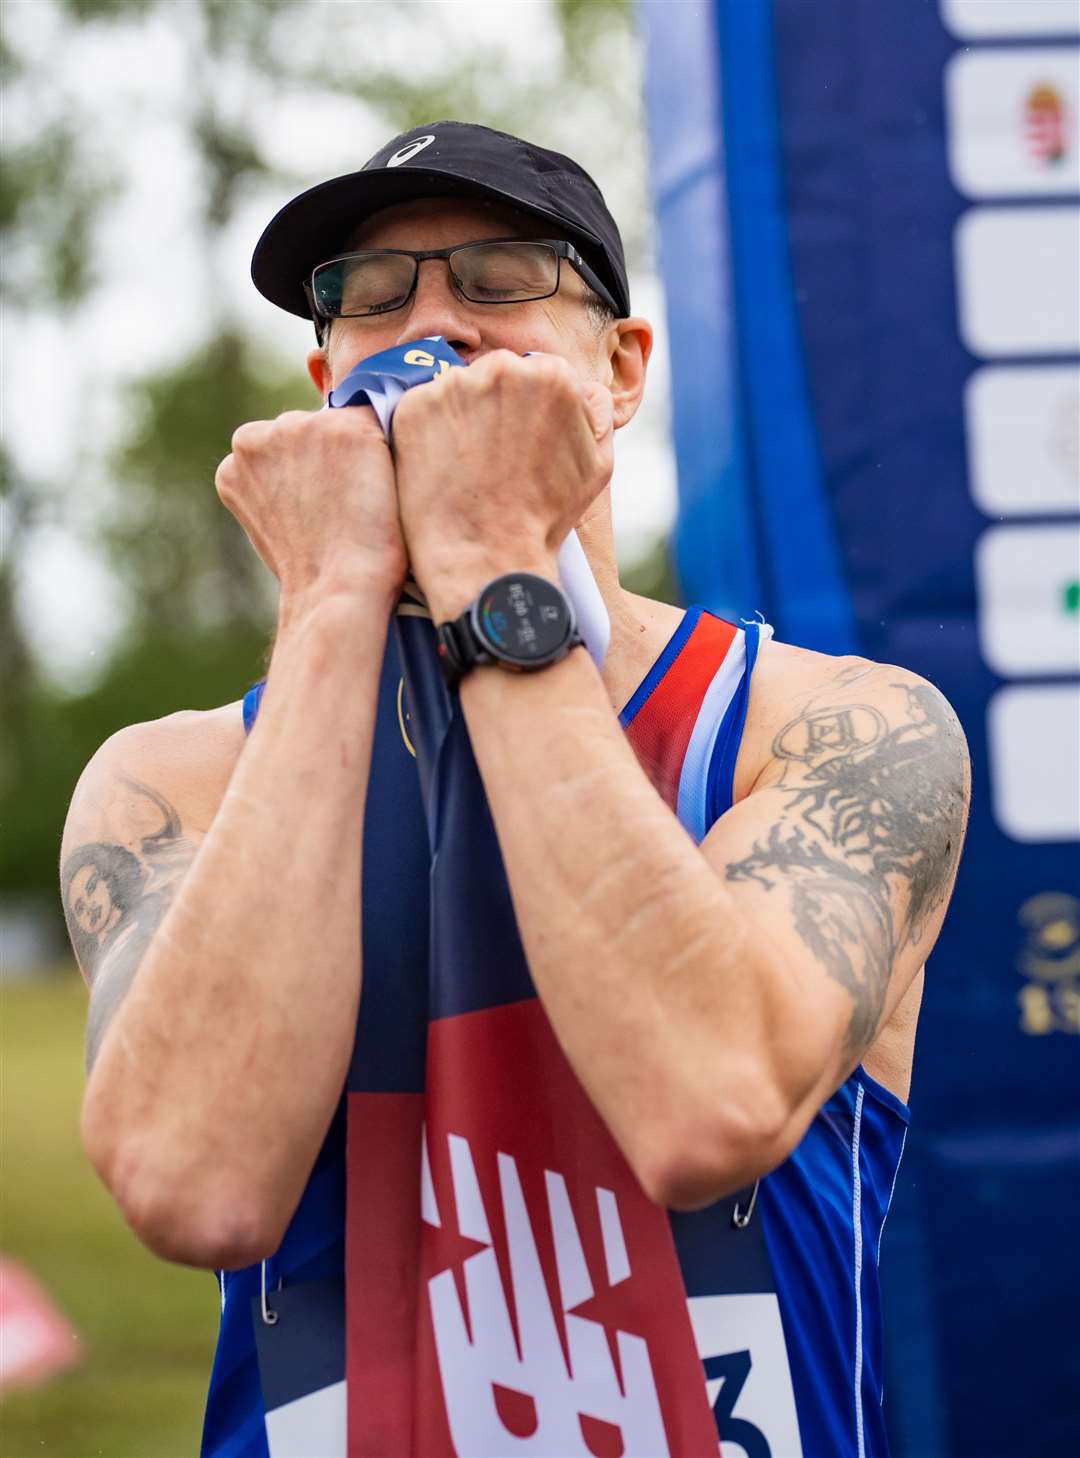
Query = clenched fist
x=315 y=493
x=495 y=465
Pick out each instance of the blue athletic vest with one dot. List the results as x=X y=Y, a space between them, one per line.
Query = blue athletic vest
x=822 y=1211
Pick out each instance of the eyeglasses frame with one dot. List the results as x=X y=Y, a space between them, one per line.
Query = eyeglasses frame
x=560 y=246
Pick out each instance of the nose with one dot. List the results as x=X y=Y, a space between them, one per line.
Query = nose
x=437 y=308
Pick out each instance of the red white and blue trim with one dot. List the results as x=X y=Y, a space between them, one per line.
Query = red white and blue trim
x=687 y=736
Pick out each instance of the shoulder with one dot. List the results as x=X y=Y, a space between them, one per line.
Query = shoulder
x=805 y=707
x=185 y=759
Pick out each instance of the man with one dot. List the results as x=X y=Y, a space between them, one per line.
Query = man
x=727 y=1006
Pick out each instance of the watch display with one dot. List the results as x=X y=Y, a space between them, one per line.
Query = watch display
x=522 y=619
x=519 y=621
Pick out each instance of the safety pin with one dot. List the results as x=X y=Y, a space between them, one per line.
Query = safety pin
x=269 y=1316
x=741 y=1218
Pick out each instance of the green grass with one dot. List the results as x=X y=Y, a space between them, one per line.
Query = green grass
x=146 y=1329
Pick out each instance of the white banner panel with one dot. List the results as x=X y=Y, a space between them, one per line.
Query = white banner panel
x=1028 y=582
x=1035 y=740
x=1011 y=17
x=1023 y=434
x=1018 y=280
x=1014 y=121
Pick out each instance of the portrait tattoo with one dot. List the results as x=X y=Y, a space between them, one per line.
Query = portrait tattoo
x=114 y=900
x=101 y=885
x=877 y=810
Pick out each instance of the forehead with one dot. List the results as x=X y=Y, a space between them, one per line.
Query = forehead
x=437 y=222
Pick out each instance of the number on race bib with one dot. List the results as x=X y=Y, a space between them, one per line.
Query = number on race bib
x=740 y=1340
x=733 y=1370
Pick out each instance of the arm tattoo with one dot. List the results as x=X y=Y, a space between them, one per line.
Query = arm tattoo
x=114 y=901
x=875 y=808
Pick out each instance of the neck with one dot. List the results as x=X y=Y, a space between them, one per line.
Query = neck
x=636 y=622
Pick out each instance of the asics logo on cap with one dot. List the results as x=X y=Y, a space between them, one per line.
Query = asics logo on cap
x=405 y=154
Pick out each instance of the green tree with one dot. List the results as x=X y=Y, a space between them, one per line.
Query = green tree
x=201 y=603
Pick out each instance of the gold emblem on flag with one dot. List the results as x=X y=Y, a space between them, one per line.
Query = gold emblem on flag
x=1049 y=962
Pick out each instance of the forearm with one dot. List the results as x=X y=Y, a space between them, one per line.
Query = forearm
x=664 y=997
x=220 y=1072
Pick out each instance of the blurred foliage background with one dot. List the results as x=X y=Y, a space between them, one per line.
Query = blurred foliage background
x=190 y=604
x=133 y=348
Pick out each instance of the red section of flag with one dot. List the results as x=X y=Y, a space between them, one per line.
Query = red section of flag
x=573 y=1325
x=660 y=730
x=382 y=1252
x=35 y=1340
x=1045 y=124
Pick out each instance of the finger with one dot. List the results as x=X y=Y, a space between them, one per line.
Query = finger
x=361 y=416
x=539 y=359
x=601 y=408
x=359 y=423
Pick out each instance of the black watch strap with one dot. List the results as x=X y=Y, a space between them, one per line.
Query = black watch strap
x=459 y=649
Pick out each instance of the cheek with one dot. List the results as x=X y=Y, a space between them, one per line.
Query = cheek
x=571 y=335
x=348 y=346
x=553 y=322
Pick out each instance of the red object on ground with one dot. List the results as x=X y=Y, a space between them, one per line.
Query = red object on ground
x=35 y=1339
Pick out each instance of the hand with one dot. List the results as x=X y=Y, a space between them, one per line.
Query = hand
x=314 y=491
x=495 y=465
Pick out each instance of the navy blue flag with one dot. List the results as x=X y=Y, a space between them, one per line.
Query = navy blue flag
x=870 y=238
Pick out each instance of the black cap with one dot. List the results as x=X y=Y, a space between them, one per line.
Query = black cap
x=441 y=159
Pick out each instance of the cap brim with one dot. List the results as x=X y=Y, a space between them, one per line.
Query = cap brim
x=316 y=225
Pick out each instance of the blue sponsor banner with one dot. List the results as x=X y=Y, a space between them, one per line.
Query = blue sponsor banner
x=869 y=221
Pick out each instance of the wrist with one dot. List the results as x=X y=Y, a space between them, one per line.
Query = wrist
x=450 y=586
x=361 y=602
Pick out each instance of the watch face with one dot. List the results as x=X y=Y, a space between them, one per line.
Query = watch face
x=522 y=618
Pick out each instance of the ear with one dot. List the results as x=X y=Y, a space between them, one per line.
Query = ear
x=629 y=344
x=318 y=367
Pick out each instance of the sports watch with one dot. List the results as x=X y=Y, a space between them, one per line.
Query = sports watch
x=519 y=621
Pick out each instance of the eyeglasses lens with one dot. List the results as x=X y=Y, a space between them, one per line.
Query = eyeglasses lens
x=486 y=273
x=366 y=283
x=505 y=273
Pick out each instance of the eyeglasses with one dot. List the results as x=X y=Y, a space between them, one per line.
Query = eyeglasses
x=497 y=271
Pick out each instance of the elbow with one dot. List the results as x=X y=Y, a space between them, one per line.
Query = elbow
x=182 y=1215
x=691 y=1164
x=214 y=1230
x=215 y=1234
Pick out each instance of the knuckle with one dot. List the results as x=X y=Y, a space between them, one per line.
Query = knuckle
x=225 y=477
x=556 y=374
x=562 y=371
x=500 y=363
x=513 y=365
x=292 y=423
x=352 y=421
x=247 y=437
x=338 y=421
x=437 y=388
x=429 y=401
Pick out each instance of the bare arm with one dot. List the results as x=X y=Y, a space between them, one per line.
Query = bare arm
x=711 y=999
x=218 y=927
x=224 y=961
